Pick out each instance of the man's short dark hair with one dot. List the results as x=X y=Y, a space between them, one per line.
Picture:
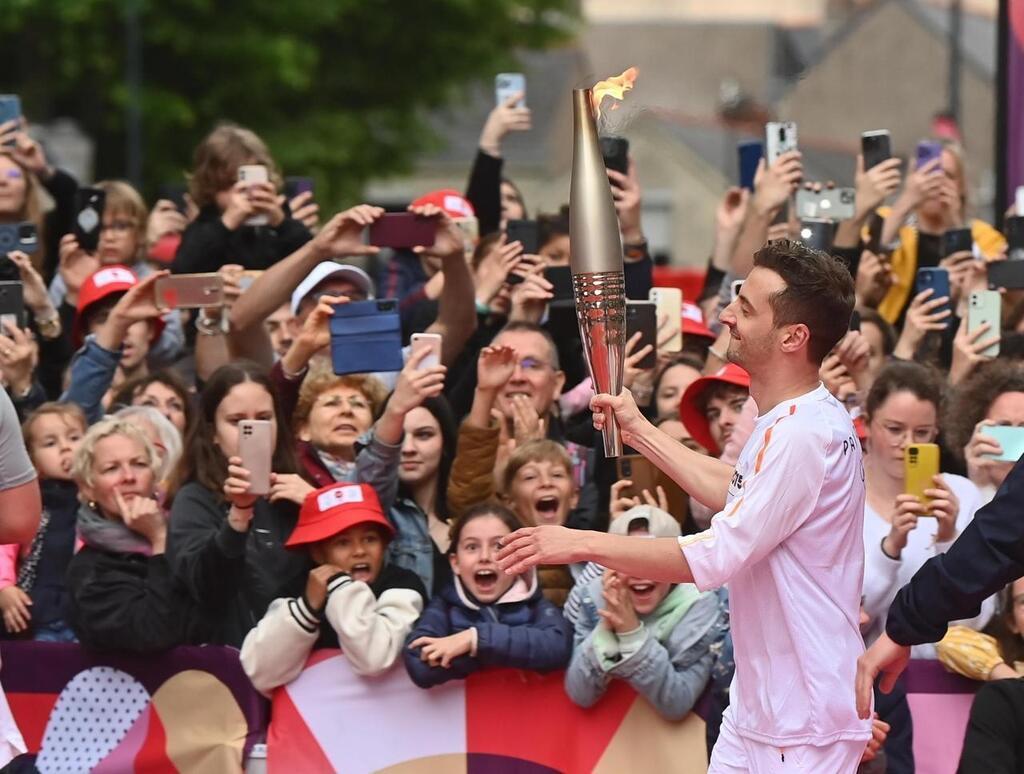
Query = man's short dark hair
x=819 y=292
x=522 y=326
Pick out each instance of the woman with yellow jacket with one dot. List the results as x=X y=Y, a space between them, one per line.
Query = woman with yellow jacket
x=933 y=201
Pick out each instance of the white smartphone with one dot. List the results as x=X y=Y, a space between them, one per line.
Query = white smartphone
x=779 y=138
x=734 y=290
x=508 y=84
x=1010 y=438
x=254 y=173
x=986 y=306
x=430 y=342
x=1018 y=199
x=669 y=304
x=255 y=447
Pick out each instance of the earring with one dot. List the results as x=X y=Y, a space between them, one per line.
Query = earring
x=92 y=505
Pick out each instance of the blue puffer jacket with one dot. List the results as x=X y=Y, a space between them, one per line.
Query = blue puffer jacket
x=521 y=630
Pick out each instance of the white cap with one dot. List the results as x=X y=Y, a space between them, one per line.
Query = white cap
x=322 y=271
x=659 y=523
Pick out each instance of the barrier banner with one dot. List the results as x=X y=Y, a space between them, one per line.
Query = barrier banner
x=191 y=709
x=331 y=719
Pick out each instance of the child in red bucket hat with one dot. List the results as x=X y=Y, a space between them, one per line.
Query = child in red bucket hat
x=353 y=598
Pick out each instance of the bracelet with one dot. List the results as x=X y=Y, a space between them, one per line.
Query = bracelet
x=885 y=553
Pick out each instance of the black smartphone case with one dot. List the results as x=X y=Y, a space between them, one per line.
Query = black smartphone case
x=89 y=204
x=642 y=316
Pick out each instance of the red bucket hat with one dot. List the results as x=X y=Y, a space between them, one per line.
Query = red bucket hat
x=101 y=284
x=689 y=409
x=693 y=322
x=451 y=201
x=335 y=508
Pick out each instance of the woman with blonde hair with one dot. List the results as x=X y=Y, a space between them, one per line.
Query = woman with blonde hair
x=123 y=594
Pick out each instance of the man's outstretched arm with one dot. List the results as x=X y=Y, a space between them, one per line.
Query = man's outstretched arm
x=656 y=559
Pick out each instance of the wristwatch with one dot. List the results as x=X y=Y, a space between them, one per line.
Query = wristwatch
x=208 y=326
x=50 y=327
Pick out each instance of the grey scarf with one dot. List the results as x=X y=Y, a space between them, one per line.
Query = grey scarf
x=109 y=535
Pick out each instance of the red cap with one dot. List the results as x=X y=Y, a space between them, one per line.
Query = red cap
x=690 y=412
x=335 y=508
x=693 y=322
x=102 y=283
x=451 y=201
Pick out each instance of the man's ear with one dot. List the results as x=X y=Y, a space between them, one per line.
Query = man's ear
x=794 y=337
x=559 y=384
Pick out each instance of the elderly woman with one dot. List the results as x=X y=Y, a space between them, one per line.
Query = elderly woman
x=123 y=594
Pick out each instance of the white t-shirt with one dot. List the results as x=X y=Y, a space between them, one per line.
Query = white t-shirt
x=883 y=577
x=790 y=545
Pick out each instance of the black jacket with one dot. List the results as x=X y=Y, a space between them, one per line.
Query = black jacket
x=994 y=743
x=207 y=244
x=233 y=576
x=129 y=602
x=987 y=555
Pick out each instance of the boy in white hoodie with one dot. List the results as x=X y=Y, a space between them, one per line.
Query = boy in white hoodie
x=353 y=599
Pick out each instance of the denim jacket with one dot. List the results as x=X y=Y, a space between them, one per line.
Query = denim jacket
x=412 y=547
x=92 y=372
x=667 y=659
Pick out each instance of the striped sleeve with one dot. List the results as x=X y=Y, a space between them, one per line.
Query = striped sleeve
x=773 y=505
x=275 y=651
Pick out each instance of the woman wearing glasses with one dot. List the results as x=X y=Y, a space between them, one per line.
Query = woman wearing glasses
x=900 y=532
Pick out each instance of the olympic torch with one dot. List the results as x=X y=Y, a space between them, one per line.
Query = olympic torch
x=596 y=256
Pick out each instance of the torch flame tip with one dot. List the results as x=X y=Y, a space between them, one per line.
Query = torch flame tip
x=614 y=87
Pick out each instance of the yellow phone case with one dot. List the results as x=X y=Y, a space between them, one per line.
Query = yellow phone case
x=920 y=466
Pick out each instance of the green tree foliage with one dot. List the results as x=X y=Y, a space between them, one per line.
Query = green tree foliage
x=338 y=88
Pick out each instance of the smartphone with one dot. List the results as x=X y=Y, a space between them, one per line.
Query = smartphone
x=526 y=232
x=668 y=303
x=986 y=306
x=18 y=236
x=875 y=226
x=1008 y=437
x=817 y=233
x=1013 y=227
x=1018 y=199
x=831 y=203
x=928 y=151
x=615 y=151
x=645 y=475
x=1005 y=274
x=561 y=279
x=89 y=204
x=428 y=341
x=366 y=337
x=174 y=193
x=12 y=303
x=937 y=279
x=506 y=85
x=920 y=466
x=779 y=138
x=190 y=291
x=403 y=230
x=957 y=240
x=642 y=317
x=256 y=449
x=875 y=147
x=10 y=109
x=750 y=154
x=734 y=290
x=293 y=186
x=640 y=470
x=254 y=173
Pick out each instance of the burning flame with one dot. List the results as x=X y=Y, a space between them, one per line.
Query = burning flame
x=615 y=87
